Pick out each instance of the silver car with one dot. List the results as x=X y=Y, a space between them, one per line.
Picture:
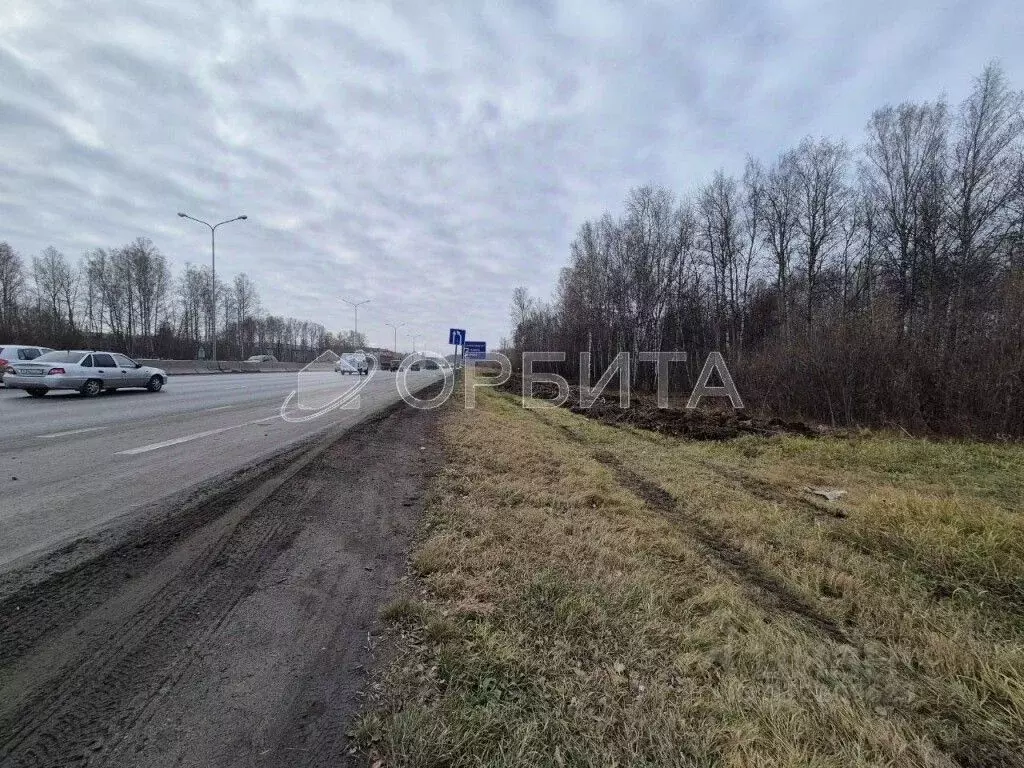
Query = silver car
x=87 y=372
x=11 y=353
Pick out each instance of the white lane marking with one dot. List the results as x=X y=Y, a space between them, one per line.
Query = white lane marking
x=189 y=438
x=71 y=432
x=175 y=441
x=218 y=408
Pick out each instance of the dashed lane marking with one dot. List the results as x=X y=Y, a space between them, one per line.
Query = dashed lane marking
x=71 y=432
x=190 y=438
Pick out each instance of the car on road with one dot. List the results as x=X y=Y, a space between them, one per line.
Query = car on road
x=85 y=371
x=353 y=362
x=262 y=359
x=12 y=353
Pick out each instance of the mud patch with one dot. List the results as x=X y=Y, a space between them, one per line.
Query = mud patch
x=697 y=424
x=693 y=425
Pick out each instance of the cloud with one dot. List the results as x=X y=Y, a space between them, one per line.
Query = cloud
x=428 y=157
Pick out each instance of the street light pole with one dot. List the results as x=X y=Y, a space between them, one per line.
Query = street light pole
x=395 y=327
x=414 y=337
x=213 y=266
x=355 y=308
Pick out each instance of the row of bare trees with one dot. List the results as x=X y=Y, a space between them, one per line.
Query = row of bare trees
x=128 y=299
x=877 y=285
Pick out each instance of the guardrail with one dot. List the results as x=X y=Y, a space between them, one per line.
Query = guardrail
x=195 y=367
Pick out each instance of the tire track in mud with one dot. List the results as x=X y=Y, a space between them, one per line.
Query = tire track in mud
x=89 y=701
x=103 y=662
x=765 y=491
x=31 y=612
x=768 y=590
x=741 y=480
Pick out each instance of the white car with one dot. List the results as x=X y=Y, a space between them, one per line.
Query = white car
x=12 y=353
x=87 y=372
x=353 y=362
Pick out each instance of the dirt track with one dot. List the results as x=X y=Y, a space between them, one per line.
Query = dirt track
x=234 y=632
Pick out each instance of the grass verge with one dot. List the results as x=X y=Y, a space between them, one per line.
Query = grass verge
x=600 y=596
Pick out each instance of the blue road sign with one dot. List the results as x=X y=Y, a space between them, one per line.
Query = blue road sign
x=456 y=336
x=475 y=350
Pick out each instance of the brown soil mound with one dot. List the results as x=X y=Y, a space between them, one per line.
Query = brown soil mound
x=696 y=425
x=699 y=424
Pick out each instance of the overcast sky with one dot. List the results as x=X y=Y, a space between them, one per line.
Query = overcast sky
x=429 y=156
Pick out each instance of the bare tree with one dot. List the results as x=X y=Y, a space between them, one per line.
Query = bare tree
x=56 y=285
x=12 y=285
x=246 y=305
x=753 y=208
x=983 y=178
x=521 y=304
x=719 y=207
x=823 y=196
x=647 y=263
x=904 y=146
x=781 y=213
x=151 y=280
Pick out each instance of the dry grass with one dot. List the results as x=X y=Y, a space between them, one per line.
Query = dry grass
x=597 y=596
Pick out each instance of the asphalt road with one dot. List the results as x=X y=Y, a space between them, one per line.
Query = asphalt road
x=71 y=465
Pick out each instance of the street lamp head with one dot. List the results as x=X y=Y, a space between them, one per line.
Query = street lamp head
x=183 y=215
x=243 y=217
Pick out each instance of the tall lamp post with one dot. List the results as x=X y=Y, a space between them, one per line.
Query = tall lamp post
x=213 y=266
x=395 y=326
x=355 y=308
x=415 y=336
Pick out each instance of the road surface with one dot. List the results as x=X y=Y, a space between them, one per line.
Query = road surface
x=71 y=465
